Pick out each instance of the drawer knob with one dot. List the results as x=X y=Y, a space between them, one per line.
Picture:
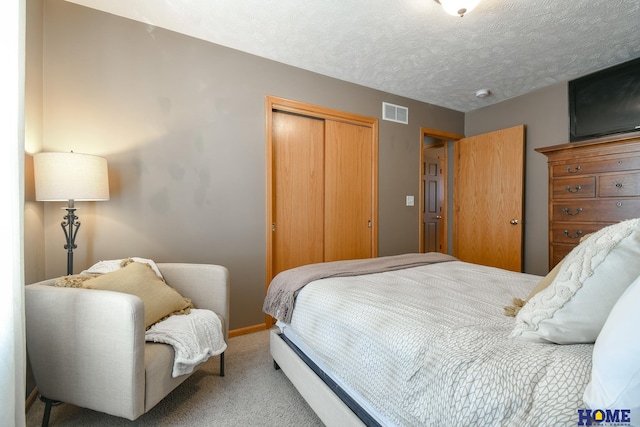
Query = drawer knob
x=575 y=236
x=566 y=211
x=575 y=169
x=571 y=189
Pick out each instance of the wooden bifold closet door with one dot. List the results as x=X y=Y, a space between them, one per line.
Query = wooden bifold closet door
x=297 y=229
x=348 y=184
x=321 y=186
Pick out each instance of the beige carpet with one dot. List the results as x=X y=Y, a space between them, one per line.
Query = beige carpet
x=252 y=393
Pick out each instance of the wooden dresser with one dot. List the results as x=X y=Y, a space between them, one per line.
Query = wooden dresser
x=591 y=184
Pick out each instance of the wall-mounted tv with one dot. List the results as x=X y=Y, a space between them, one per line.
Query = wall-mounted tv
x=605 y=102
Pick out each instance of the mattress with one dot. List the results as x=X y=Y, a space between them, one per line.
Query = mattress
x=430 y=345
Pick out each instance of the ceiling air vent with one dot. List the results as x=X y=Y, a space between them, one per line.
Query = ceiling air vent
x=395 y=113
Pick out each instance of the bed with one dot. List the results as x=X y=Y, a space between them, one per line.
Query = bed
x=423 y=339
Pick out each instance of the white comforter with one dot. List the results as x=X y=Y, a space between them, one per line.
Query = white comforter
x=430 y=346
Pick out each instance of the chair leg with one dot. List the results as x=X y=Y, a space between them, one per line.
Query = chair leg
x=47 y=410
x=222 y=364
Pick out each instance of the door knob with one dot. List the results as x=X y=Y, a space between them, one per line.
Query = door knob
x=437 y=217
x=513 y=222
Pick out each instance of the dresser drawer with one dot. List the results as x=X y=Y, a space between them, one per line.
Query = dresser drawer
x=604 y=165
x=572 y=232
x=557 y=253
x=603 y=210
x=619 y=185
x=574 y=187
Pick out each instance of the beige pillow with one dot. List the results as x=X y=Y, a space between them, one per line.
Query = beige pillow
x=74 y=281
x=577 y=302
x=513 y=310
x=546 y=281
x=160 y=300
x=542 y=284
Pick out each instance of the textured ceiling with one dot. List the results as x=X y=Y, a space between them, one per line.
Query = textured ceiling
x=413 y=48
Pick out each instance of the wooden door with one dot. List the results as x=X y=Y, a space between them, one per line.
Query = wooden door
x=433 y=199
x=348 y=214
x=488 y=198
x=321 y=167
x=298 y=187
x=430 y=139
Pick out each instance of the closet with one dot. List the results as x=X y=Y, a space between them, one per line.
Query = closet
x=321 y=185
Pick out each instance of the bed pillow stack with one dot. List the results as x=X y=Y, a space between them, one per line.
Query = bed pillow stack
x=577 y=302
x=615 y=376
x=594 y=298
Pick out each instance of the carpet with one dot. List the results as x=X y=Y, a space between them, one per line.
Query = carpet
x=252 y=393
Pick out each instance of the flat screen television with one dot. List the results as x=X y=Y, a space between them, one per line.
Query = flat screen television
x=606 y=102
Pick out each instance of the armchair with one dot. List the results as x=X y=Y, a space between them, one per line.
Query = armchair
x=87 y=347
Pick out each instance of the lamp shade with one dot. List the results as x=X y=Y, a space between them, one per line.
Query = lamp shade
x=70 y=176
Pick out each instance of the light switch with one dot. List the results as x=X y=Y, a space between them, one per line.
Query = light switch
x=409 y=200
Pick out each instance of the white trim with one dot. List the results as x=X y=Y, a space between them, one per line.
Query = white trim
x=12 y=323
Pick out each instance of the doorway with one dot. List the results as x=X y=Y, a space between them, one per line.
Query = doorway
x=482 y=200
x=489 y=198
x=434 y=230
x=434 y=206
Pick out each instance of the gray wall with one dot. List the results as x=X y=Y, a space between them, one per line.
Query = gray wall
x=182 y=125
x=545 y=114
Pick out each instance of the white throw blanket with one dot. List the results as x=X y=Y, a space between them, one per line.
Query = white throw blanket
x=195 y=337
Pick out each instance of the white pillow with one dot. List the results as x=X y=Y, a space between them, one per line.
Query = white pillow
x=575 y=306
x=615 y=375
x=108 y=266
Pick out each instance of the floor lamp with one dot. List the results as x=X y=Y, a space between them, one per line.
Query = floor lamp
x=70 y=177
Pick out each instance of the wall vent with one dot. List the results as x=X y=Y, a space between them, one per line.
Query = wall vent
x=395 y=113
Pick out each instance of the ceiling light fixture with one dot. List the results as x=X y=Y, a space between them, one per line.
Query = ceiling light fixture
x=458 y=7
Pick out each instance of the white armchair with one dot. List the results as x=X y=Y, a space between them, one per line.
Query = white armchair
x=88 y=348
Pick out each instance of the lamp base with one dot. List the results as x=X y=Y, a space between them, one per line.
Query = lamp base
x=70 y=226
